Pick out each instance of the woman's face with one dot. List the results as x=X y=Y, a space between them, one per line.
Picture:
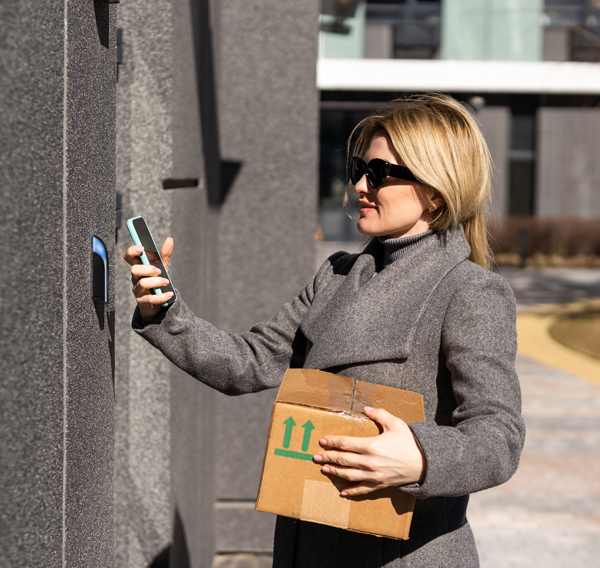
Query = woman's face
x=398 y=208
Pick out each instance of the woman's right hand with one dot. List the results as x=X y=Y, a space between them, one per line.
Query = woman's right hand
x=145 y=277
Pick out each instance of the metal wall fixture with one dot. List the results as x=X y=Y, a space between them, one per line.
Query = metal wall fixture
x=99 y=271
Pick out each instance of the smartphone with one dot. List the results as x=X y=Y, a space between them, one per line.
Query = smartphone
x=141 y=235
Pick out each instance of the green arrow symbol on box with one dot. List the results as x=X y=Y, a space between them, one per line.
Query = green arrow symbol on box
x=289 y=426
x=308 y=428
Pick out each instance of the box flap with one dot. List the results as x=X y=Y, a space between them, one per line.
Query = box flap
x=317 y=389
x=336 y=393
x=404 y=404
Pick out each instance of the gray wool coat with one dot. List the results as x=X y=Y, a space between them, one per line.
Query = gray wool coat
x=432 y=322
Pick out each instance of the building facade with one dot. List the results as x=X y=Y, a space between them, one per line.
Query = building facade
x=529 y=71
x=208 y=127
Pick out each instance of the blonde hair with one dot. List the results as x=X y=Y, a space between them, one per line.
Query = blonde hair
x=441 y=143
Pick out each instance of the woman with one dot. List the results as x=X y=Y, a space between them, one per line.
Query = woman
x=416 y=310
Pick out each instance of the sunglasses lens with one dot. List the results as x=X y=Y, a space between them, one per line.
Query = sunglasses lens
x=357 y=169
x=376 y=172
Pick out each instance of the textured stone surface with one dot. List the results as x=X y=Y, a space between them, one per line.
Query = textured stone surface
x=90 y=324
x=192 y=404
x=268 y=110
x=185 y=127
x=268 y=121
x=57 y=367
x=81 y=395
x=143 y=506
x=239 y=528
x=235 y=265
x=31 y=326
x=242 y=429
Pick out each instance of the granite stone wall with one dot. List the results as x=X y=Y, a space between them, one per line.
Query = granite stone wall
x=230 y=126
x=144 y=158
x=57 y=171
x=110 y=455
x=268 y=105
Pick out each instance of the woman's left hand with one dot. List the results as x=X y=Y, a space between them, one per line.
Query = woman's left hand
x=391 y=459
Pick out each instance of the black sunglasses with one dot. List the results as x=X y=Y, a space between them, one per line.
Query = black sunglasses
x=377 y=170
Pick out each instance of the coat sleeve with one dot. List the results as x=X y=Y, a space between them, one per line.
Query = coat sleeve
x=231 y=363
x=479 y=341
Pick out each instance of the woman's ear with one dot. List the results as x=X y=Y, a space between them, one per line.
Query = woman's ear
x=436 y=199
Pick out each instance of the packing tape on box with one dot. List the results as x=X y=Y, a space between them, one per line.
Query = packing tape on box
x=321 y=503
x=339 y=397
x=364 y=395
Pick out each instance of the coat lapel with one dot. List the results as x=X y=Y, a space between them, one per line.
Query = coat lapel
x=362 y=316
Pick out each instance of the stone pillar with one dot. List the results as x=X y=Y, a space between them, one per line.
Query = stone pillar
x=143 y=511
x=568 y=169
x=268 y=108
x=57 y=166
x=109 y=454
x=218 y=104
x=495 y=125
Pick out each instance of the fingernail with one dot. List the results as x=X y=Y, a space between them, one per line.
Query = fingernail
x=343 y=494
x=139 y=249
x=368 y=408
x=165 y=281
x=169 y=294
x=318 y=458
x=323 y=442
x=325 y=469
x=158 y=271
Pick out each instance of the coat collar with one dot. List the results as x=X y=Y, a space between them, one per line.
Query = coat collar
x=362 y=316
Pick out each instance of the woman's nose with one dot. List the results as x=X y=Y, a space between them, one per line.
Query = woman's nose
x=362 y=185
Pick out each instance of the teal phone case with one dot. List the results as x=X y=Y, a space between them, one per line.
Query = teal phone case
x=144 y=258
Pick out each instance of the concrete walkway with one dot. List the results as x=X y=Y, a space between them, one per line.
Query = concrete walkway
x=548 y=514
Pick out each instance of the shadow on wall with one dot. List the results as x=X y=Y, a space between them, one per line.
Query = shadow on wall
x=108 y=316
x=102 y=21
x=176 y=555
x=220 y=174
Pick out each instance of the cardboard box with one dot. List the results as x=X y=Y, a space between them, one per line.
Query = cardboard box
x=311 y=404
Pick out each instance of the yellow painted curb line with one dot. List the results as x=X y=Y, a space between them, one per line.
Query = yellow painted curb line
x=536 y=342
